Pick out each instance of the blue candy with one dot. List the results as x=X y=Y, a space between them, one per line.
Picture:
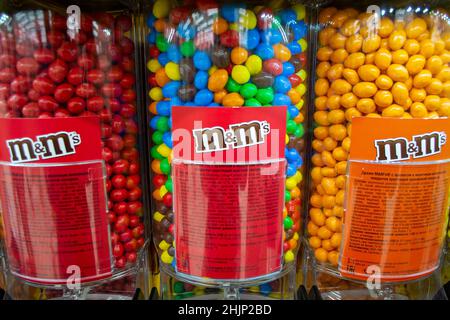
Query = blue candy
x=271 y=36
x=293 y=111
x=265 y=51
x=282 y=84
x=153 y=122
x=299 y=29
x=201 y=80
x=288 y=69
x=230 y=12
x=170 y=122
x=250 y=40
x=186 y=30
x=294 y=47
x=163 y=58
x=291 y=155
x=287 y=16
x=151 y=20
x=291 y=170
x=265 y=289
x=175 y=101
x=163 y=108
x=174 y=53
x=202 y=60
x=151 y=37
x=167 y=139
x=281 y=100
x=214 y=104
x=170 y=90
x=203 y=97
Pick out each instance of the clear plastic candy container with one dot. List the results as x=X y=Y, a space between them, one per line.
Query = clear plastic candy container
x=70 y=171
x=371 y=195
x=222 y=63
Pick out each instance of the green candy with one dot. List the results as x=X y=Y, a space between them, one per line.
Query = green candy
x=288 y=223
x=299 y=131
x=178 y=287
x=291 y=126
x=187 y=48
x=252 y=103
x=157 y=137
x=162 y=124
x=165 y=166
x=155 y=154
x=287 y=196
x=188 y=294
x=161 y=42
x=248 y=90
x=168 y=184
x=276 y=22
x=265 y=96
x=233 y=86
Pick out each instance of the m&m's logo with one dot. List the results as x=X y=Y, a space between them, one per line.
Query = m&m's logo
x=237 y=135
x=47 y=146
x=398 y=149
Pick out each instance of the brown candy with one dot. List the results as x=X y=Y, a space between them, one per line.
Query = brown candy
x=221 y=57
x=187 y=70
x=297 y=64
x=263 y=79
x=187 y=92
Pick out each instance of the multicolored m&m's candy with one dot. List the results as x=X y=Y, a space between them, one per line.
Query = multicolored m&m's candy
x=230 y=55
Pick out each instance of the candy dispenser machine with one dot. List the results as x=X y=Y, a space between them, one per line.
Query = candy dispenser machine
x=72 y=174
x=227 y=90
x=378 y=203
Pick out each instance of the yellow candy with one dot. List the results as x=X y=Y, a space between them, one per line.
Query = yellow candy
x=298 y=176
x=300 y=11
x=248 y=19
x=301 y=89
x=162 y=191
x=161 y=9
x=212 y=70
x=166 y=257
x=254 y=64
x=173 y=71
x=291 y=183
x=153 y=65
x=286 y=139
x=302 y=42
x=295 y=236
x=156 y=94
x=163 y=245
x=289 y=256
x=302 y=74
x=234 y=26
x=240 y=74
x=164 y=150
x=158 y=216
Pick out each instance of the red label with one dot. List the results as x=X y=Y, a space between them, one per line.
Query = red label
x=228 y=174
x=52 y=187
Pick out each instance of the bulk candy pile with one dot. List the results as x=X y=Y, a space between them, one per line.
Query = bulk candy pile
x=230 y=55
x=398 y=69
x=47 y=72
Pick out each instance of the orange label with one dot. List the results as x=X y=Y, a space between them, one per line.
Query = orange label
x=396 y=199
